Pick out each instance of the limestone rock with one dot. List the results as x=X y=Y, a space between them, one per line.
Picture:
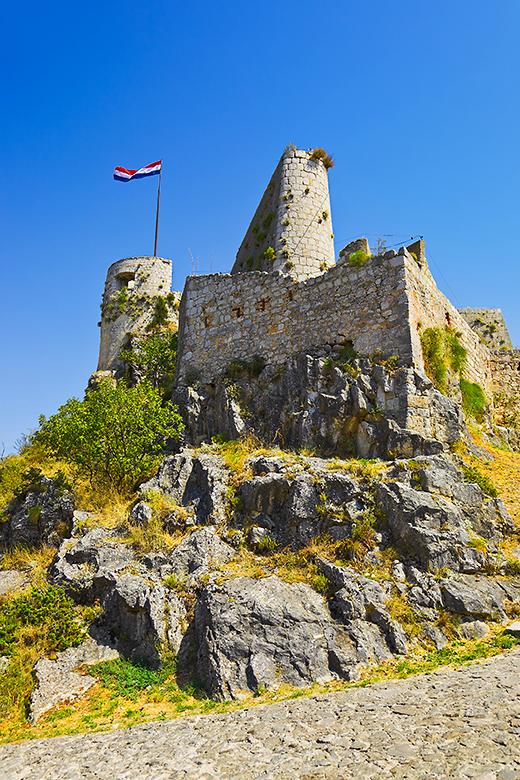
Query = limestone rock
x=141 y=513
x=476 y=597
x=42 y=514
x=197 y=481
x=58 y=683
x=11 y=581
x=85 y=567
x=265 y=632
x=143 y=616
x=360 y=598
x=307 y=402
x=199 y=552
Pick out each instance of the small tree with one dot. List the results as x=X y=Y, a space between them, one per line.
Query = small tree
x=115 y=436
x=153 y=357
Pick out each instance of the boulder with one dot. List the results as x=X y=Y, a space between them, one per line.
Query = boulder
x=474 y=597
x=360 y=598
x=58 y=683
x=85 y=567
x=43 y=513
x=429 y=528
x=143 y=616
x=198 y=481
x=264 y=632
x=201 y=551
x=12 y=581
x=141 y=513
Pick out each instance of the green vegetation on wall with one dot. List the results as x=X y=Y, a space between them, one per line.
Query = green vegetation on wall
x=442 y=350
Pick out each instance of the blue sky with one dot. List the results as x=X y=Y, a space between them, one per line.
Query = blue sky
x=417 y=102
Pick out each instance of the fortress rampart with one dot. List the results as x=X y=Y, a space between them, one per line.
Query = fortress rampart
x=131 y=290
x=381 y=306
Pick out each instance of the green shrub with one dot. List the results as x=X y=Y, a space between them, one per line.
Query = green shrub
x=267 y=221
x=49 y=608
x=513 y=567
x=115 y=436
x=160 y=317
x=442 y=350
x=267 y=544
x=153 y=357
x=473 y=475
x=357 y=259
x=129 y=678
x=474 y=401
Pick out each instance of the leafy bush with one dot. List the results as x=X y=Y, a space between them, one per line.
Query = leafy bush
x=474 y=401
x=115 y=436
x=153 y=357
x=49 y=609
x=357 y=259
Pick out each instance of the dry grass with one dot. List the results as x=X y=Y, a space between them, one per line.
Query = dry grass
x=34 y=562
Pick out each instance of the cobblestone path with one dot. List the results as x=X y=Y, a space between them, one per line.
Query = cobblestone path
x=449 y=724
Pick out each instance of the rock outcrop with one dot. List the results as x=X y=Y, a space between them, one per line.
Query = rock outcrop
x=327 y=401
x=43 y=513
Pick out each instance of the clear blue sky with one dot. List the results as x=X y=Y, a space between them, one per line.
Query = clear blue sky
x=417 y=102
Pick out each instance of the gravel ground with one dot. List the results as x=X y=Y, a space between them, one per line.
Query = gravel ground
x=449 y=724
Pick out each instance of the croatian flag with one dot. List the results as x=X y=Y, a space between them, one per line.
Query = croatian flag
x=125 y=174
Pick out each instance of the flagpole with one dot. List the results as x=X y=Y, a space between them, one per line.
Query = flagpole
x=157 y=218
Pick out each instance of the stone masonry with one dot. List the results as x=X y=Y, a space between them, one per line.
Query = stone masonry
x=381 y=306
x=490 y=326
x=291 y=231
x=132 y=288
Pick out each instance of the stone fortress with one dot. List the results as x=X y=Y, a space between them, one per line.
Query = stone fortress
x=286 y=293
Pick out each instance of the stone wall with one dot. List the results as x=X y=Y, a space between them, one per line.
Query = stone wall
x=429 y=308
x=131 y=290
x=505 y=367
x=384 y=305
x=292 y=223
x=490 y=326
x=223 y=317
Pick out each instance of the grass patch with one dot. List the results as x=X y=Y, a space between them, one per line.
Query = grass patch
x=38 y=622
x=442 y=351
x=473 y=475
x=474 y=401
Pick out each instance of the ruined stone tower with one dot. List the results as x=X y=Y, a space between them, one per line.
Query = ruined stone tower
x=132 y=289
x=291 y=231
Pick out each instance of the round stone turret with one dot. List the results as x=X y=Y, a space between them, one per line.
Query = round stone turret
x=132 y=289
x=291 y=231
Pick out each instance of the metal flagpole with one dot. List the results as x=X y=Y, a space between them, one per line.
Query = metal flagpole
x=157 y=218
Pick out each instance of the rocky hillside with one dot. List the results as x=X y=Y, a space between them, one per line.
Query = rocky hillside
x=253 y=569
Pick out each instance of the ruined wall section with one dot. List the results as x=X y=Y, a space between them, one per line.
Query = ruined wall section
x=490 y=325
x=505 y=369
x=131 y=290
x=224 y=317
x=429 y=308
x=293 y=220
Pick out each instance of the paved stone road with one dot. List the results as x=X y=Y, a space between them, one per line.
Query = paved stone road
x=450 y=724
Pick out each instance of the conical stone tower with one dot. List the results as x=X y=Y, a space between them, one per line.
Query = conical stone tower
x=291 y=231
